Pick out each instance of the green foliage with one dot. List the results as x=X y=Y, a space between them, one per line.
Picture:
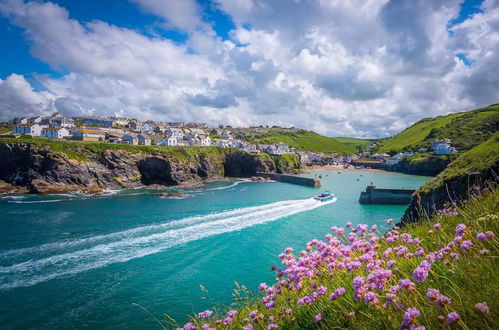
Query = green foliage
x=118 y=179
x=304 y=140
x=465 y=129
x=358 y=144
x=6 y=128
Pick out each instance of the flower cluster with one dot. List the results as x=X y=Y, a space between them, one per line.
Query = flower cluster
x=374 y=276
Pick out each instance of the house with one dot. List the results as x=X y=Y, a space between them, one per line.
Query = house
x=278 y=149
x=131 y=139
x=444 y=149
x=55 y=132
x=175 y=132
x=28 y=129
x=88 y=134
x=235 y=144
x=62 y=122
x=19 y=120
x=390 y=161
x=95 y=121
x=148 y=127
x=222 y=143
x=133 y=125
x=194 y=141
x=401 y=155
x=216 y=131
x=119 y=120
x=114 y=138
x=144 y=140
x=35 y=120
x=226 y=136
x=167 y=141
x=205 y=140
x=194 y=132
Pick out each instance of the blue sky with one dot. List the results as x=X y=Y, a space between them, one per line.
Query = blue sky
x=338 y=68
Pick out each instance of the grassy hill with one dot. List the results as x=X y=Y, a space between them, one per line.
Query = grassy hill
x=305 y=140
x=358 y=144
x=465 y=129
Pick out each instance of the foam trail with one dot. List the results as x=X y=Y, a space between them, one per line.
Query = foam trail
x=136 y=246
x=67 y=244
x=227 y=187
x=40 y=201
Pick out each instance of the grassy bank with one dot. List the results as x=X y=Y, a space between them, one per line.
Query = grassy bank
x=440 y=273
x=306 y=141
x=465 y=129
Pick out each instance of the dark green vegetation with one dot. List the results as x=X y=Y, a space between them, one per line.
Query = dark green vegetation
x=465 y=129
x=4 y=128
x=466 y=276
x=305 y=140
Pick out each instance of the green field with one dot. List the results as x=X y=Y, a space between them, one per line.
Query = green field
x=305 y=140
x=358 y=144
x=465 y=129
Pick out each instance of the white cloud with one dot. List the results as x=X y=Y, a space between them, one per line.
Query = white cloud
x=360 y=68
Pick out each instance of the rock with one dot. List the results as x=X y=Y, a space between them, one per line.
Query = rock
x=171 y=195
x=259 y=179
x=156 y=186
x=7 y=188
x=44 y=187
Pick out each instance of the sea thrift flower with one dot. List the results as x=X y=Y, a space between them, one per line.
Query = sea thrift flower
x=484 y=252
x=460 y=229
x=248 y=327
x=262 y=287
x=489 y=235
x=436 y=226
x=390 y=263
x=348 y=224
x=189 y=326
x=454 y=255
x=409 y=317
x=207 y=313
x=371 y=297
x=318 y=317
x=231 y=313
x=351 y=314
x=228 y=320
x=452 y=317
x=271 y=326
x=389 y=222
x=481 y=236
x=421 y=273
x=465 y=246
x=482 y=308
x=207 y=326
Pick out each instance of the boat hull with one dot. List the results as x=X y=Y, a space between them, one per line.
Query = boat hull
x=324 y=199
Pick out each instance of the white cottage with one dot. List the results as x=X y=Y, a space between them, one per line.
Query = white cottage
x=28 y=129
x=130 y=139
x=167 y=141
x=55 y=132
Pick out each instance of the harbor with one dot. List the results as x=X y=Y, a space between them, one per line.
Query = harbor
x=373 y=195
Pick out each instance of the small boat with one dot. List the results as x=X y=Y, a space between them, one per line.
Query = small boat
x=325 y=196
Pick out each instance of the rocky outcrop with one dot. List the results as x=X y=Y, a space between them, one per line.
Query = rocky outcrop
x=455 y=190
x=41 y=169
x=430 y=166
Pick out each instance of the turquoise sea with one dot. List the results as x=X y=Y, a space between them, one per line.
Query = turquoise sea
x=70 y=261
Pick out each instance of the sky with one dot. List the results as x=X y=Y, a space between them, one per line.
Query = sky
x=360 y=68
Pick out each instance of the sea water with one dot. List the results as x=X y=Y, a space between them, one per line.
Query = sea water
x=73 y=261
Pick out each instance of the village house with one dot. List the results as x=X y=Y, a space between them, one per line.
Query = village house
x=443 y=147
x=28 y=129
x=401 y=155
x=122 y=121
x=390 y=161
x=55 y=132
x=167 y=141
x=226 y=136
x=130 y=139
x=278 y=149
x=144 y=140
x=216 y=131
x=95 y=121
x=88 y=134
x=35 y=120
x=175 y=132
x=62 y=122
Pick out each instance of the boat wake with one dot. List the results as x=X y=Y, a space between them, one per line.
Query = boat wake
x=29 y=266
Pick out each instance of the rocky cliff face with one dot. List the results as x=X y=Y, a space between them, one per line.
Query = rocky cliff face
x=429 y=167
x=455 y=190
x=42 y=170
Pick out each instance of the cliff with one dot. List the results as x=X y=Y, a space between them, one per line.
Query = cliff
x=470 y=174
x=429 y=165
x=49 y=167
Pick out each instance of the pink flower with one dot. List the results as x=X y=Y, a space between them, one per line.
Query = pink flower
x=318 y=317
x=484 y=251
x=436 y=226
x=482 y=308
x=271 y=326
x=189 y=326
x=389 y=221
x=248 y=327
x=348 y=224
x=465 y=246
x=452 y=317
x=207 y=313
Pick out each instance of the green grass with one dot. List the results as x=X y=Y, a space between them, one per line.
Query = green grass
x=465 y=129
x=478 y=159
x=304 y=140
x=358 y=144
x=468 y=280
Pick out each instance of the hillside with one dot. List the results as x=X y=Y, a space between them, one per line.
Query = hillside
x=465 y=129
x=358 y=144
x=469 y=173
x=436 y=274
x=304 y=140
